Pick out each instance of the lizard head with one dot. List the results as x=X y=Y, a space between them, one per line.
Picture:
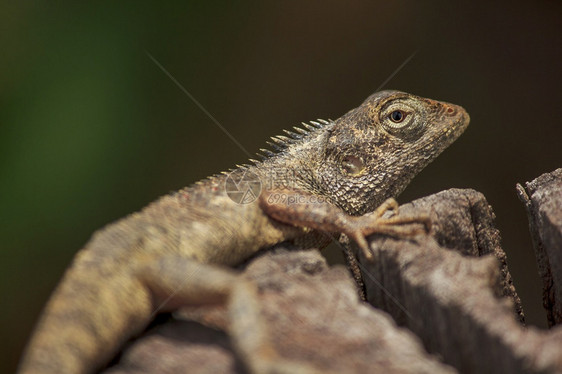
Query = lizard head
x=372 y=152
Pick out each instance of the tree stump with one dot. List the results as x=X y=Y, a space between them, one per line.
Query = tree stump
x=543 y=200
x=453 y=290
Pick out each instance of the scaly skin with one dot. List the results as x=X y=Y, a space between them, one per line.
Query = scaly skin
x=324 y=179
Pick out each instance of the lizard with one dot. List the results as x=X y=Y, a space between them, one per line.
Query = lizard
x=327 y=177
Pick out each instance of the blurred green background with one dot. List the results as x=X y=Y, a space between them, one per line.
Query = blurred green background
x=91 y=129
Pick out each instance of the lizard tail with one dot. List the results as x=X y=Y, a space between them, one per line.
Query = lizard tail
x=84 y=324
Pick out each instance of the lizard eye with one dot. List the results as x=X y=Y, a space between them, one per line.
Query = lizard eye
x=353 y=165
x=397 y=116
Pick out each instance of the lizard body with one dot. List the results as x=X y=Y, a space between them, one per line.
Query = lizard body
x=326 y=178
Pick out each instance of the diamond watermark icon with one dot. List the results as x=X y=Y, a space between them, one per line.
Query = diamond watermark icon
x=243 y=186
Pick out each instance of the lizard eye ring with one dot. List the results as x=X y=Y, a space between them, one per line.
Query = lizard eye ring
x=399 y=117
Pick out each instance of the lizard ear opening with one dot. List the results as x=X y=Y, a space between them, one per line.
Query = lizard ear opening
x=353 y=165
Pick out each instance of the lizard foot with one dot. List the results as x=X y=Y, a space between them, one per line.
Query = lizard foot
x=395 y=225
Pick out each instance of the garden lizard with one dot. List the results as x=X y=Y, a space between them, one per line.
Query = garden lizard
x=323 y=179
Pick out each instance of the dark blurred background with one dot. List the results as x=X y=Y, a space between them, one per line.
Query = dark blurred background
x=91 y=129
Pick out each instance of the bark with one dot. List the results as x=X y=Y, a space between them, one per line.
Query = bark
x=454 y=291
x=543 y=200
x=305 y=318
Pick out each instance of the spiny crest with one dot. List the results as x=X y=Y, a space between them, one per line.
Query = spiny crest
x=220 y=175
x=203 y=183
x=280 y=143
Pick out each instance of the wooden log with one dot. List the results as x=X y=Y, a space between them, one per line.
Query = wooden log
x=305 y=317
x=464 y=308
x=543 y=201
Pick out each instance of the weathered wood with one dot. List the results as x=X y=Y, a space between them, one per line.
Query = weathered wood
x=543 y=201
x=180 y=347
x=463 y=221
x=462 y=307
x=306 y=318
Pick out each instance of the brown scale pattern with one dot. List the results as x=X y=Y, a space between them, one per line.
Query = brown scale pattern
x=176 y=250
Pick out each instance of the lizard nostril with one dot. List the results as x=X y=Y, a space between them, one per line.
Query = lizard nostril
x=451 y=111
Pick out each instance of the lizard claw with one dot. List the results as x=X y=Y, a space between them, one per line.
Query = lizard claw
x=374 y=223
x=361 y=241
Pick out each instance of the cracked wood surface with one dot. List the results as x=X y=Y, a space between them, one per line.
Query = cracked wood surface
x=305 y=314
x=464 y=308
x=543 y=201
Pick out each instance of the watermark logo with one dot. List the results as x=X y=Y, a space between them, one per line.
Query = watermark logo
x=243 y=186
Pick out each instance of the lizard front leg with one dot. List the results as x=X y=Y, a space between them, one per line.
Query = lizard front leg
x=303 y=209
